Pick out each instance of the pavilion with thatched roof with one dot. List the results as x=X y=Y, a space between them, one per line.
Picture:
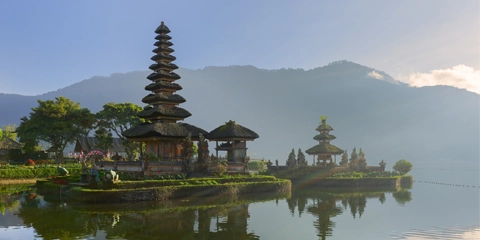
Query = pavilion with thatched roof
x=324 y=150
x=161 y=133
x=233 y=138
x=8 y=145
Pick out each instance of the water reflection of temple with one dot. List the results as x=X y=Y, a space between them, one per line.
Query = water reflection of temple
x=221 y=222
x=325 y=206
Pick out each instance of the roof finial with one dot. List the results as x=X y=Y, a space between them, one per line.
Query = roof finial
x=162 y=23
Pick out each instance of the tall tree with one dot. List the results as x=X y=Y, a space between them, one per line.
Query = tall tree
x=301 y=160
x=86 y=123
x=291 y=161
x=104 y=139
x=119 y=117
x=53 y=122
x=344 y=161
x=353 y=159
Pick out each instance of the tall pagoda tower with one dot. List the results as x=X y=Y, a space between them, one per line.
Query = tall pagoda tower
x=161 y=132
x=324 y=150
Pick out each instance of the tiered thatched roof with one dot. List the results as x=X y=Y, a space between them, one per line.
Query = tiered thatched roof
x=166 y=130
x=163 y=113
x=324 y=147
x=324 y=136
x=231 y=130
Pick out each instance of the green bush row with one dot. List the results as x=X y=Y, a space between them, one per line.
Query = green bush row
x=34 y=172
x=171 y=192
x=366 y=174
x=193 y=181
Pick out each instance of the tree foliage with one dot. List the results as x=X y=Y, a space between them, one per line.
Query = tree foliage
x=344 y=161
x=54 y=122
x=291 y=161
x=301 y=160
x=353 y=158
x=86 y=123
x=403 y=166
x=8 y=131
x=104 y=138
x=119 y=117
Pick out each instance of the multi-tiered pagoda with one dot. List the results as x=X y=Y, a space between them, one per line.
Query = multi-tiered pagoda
x=161 y=132
x=324 y=150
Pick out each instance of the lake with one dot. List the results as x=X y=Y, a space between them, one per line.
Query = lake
x=442 y=204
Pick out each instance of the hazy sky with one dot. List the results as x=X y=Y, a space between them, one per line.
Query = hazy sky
x=46 y=45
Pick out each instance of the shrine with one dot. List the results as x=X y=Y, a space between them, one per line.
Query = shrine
x=324 y=150
x=161 y=132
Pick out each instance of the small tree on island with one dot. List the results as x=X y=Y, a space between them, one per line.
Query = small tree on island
x=353 y=159
x=344 y=161
x=361 y=161
x=291 y=161
x=403 y=166
x=301 y=160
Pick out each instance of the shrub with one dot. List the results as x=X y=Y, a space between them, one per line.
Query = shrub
x=403 y=166
x=29 y=162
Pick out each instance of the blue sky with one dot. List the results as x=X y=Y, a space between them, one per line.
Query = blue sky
x=46 y=45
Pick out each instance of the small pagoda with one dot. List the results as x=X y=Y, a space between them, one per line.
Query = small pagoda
x=324 y=150
x=161 y=132
x=233 y=139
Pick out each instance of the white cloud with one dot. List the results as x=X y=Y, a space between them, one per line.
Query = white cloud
x=459 y=76
x=376 y=75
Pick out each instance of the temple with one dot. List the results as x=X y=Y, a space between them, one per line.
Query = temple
x=324 y=150
x=233 y=139
x=161 y=132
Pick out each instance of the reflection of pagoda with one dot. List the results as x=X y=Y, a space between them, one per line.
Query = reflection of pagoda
x=324 y=150
x=161 y=132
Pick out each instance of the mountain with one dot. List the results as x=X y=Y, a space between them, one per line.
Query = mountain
x=367 y=108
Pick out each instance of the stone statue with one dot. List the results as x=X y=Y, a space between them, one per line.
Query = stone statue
x=62 y=171
x=111 y=176
x=382 y=165
x=276 y=162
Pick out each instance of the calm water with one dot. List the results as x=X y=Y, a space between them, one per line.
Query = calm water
x=427 y=211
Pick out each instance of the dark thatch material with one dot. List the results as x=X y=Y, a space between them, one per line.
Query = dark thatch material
x=163 y=66
x=163 y=37
x=231 y=130
x=324 y=136
x=160 y=111
x=324 y=126
x=165 y=50
x=163 y=75
x=169 y=130
x=10 y=144
x=162 y=29
x=87 y=144
x=325 y=148
x=163 y=57
x=163 y=43
x=152 y=99
x=162 y=85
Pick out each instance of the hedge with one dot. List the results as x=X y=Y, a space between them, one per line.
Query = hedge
x=18 y=172
x=172 y=192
